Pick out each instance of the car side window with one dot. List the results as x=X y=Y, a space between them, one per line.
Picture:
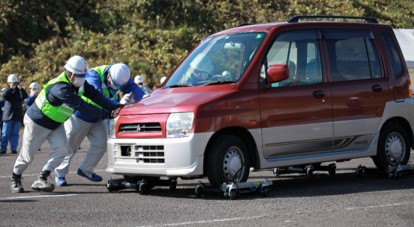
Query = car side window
x=299 y=50
x=392 y=53
x=352 y=55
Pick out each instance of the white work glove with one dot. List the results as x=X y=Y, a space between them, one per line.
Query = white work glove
x=127 y=99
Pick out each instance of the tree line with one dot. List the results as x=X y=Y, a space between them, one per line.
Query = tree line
x=150 y=36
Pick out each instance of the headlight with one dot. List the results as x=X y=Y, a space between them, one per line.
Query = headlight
x=179 y=125
x=112 y=128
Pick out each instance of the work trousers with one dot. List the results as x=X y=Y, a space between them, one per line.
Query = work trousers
x=33 y=137
x=76 y=131
x=10 y=132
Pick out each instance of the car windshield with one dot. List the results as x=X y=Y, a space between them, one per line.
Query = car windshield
x=217 y=60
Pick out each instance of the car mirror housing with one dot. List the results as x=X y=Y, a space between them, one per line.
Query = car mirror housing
x=277 y=73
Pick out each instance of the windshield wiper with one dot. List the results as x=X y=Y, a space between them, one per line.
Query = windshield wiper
x=176 y=85
x=219 y=82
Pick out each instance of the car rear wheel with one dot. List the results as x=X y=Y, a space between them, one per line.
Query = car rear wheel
x=393 y=147
x=227 y=161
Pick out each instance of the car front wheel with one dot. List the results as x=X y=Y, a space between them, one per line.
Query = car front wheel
x=227 y=161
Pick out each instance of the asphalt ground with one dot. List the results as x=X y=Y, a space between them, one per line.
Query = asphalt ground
x=294 y=200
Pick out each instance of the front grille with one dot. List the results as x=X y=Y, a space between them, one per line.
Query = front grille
x=140 y=127
x=149 y=154
x=144 y=153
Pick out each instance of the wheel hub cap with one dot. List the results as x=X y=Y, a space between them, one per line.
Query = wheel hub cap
x=232 y=163
x=394 y=148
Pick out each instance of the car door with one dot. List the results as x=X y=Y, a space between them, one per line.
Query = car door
x=359 y=89
x=296 y=114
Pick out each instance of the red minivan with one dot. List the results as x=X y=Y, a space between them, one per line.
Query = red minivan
x=268 y=96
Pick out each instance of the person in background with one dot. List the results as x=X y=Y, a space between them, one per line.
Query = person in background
x=57 y=101
x=139 y=80
x=162 y=80
x=109 y=80
x=1 y=108
x=34 y=91
x=12 y=114
x=156 y=86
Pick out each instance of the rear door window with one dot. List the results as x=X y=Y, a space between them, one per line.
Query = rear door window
x=352 y=55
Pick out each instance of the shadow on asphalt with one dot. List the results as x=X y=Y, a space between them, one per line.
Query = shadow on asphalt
x=292 y=186
x=284 y=186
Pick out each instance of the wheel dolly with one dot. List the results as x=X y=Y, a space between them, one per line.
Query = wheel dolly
x=143 y=186
x=307 y=169
x=393 y=171
x=234 y=189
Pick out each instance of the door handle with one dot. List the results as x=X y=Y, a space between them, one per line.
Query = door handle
x=376 y=88
x=318 y=94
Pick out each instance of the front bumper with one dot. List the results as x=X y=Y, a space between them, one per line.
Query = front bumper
x=175 y=157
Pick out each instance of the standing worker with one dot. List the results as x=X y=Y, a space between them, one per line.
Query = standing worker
x=34 y=91
x=44 y=120
x=12 y=114
x=109 y=80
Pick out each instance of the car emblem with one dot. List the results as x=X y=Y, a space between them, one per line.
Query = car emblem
x=138 y=128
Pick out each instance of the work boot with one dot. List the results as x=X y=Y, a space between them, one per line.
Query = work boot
x=41 y=183
x=16 y=184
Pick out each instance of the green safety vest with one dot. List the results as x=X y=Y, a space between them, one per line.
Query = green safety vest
x=100 y=70
x=57 y=113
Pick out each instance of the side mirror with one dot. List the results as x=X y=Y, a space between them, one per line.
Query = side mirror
x=277 y=73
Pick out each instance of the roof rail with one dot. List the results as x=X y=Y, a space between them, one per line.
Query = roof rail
x=367 y=19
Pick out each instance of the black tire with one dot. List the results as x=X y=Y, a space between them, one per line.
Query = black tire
x=360 y=171
x=332 y=172
x=173 y=186
x=110 y=186
x=198 y=191
x=265 y=191
x=276 y=171
x=309 y=170
x=226 y=158
x=393 y=148
x=144 y=188
x=332 y=169
x=233 y=194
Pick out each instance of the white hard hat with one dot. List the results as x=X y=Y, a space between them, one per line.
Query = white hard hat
x=120 y=73
x=163 y=79
x=12 y=78
x=202 y=63
x=77 y=65
x=34 y=86
x=139 y=79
